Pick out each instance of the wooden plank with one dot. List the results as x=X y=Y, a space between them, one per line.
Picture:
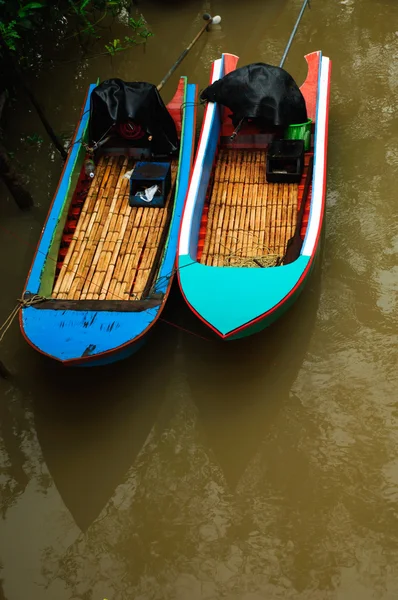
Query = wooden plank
x=278 y=218
x=133 y=264
x=219 y=171
x=267 y=218
x=152 y=247
x=93 y=231
x=273 y=216
x=231 y=239
x=238 y=175
x=87 y=206
x=253 y=246
x=115 y=250
x=240 y=219
x=223 y=249
x=215 y=247
x=86 y=267
x=284 y=217
x=210 y=215
x=125 y=254
x=220 y=201
x=91 y=213
x=256 y=213
x=214 y=225
x=91 y=283
x=246 y=222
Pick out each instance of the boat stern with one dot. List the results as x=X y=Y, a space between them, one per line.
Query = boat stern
x=86 y=337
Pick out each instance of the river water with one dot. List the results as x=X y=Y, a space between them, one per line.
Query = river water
x=258 y=470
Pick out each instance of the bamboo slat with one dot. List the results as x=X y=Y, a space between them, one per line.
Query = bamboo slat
x=246 y=215
x=278 y=218
x=218 y=202
x=92 y=229
x=283 y=239
x=241 y=218
x=264 y=241
x=90 y=288
x=87 y=207
x=209 y=222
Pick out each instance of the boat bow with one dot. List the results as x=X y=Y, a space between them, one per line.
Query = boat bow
x=254 y=293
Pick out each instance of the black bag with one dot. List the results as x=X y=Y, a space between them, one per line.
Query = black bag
x=259 y=92
x=115 y=101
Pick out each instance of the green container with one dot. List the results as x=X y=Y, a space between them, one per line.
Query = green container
x=302 y=131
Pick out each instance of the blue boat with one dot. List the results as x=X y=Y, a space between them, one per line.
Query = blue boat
x=105 y=260
x=239 y=225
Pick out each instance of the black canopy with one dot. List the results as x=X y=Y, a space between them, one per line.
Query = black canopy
x=116 y=101
x=262 y=92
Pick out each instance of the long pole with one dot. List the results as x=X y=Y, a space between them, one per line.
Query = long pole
x=294 y=32
x=209 y=20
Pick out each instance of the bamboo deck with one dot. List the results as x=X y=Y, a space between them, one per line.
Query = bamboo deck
x=114 y=246
x=248 y=218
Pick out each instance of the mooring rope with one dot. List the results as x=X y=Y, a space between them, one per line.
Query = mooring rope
x=22 y=303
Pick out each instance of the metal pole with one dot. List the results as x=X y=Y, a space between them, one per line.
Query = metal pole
x=294 y=32
x=209 y=20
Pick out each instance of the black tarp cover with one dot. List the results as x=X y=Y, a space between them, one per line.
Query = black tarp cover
x=117 y=101
x=262 y=92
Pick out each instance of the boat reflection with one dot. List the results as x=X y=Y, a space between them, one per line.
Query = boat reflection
x=240 y=387
x=92 y=423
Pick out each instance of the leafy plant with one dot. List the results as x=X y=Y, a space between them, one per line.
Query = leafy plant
x=114 y=47
x=35 y=139
x=139 y=26
x=9 y=34
x=140 y=30
x=19 y=21
x=28 y=9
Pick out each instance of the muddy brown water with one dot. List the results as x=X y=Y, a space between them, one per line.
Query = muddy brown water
x=259 y=470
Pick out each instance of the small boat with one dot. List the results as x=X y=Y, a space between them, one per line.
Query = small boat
x=104 y=264
x=247 y=244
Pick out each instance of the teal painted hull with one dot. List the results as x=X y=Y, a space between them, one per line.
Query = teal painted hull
x=236 y=302
x=268 y=320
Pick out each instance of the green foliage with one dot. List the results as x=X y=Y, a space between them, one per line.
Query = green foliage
x=140 y=35
x=113 y=47
x=28 y=9
x=9 y=34
x=21 y=22
x=140 y=28
x=35 y=139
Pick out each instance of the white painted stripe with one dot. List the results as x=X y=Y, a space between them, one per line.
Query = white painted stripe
x=198 y=168
x=314 y=222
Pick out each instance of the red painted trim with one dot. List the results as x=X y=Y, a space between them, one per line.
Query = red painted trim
x=230 y=63
x=309 y=89
x=174 y=106
x=192 y=169
x=308 y=267
x=96 y=357
x=311 y=259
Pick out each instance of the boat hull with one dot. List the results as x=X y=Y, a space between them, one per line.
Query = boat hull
x=268 y=319
x=97 y=332
x=232 y=299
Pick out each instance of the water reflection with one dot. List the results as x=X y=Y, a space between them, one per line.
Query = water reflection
x=240 y=387
x=92 y=424
x=265 y=469
x=196 y=507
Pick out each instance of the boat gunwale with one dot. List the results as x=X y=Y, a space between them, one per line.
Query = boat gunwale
x=94 y=307
x=310 y=257
x=52 y=302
